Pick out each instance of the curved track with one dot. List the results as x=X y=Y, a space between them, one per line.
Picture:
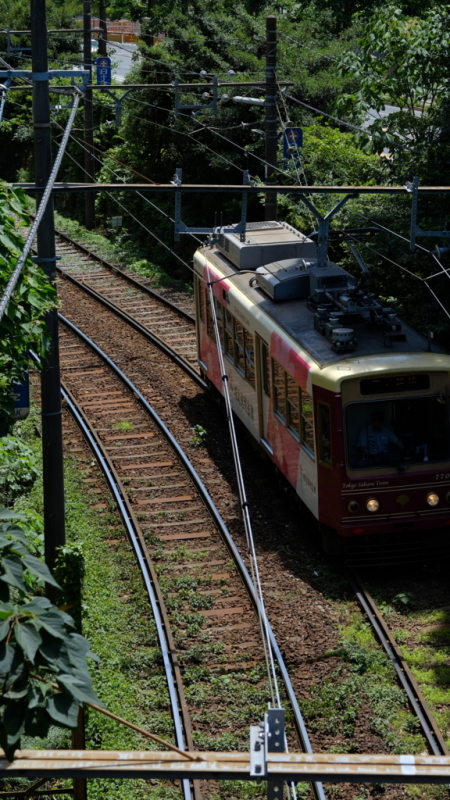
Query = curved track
x=149 y=470
x=168 y=326
x=419 y=706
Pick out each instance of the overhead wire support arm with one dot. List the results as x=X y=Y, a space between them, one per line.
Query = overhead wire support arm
x=12 y=283
x=416 y=230
x=180 y=227
x=324 y=225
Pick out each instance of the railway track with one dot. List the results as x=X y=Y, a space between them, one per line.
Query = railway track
x=204 y=603
x=430 y=729
x=158 y=319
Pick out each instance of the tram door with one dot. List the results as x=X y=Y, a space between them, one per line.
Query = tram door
x=263 y=389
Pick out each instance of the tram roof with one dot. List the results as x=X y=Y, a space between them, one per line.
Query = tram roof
x=297 y=320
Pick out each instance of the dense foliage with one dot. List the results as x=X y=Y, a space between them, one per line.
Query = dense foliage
x=18 y=468
x=43 y=672
x=23 y=326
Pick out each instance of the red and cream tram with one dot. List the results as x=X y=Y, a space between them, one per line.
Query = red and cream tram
x=346 y=399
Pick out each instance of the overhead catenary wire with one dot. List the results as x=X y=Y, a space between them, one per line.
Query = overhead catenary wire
x=408 y=271
x=12 y=283
x=356 y=128
x=147 y=200
x=114 y=199
x=254 y=569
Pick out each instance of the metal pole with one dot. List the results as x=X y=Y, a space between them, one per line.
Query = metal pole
x=104 y=31
x=271 y=116
x=89 y=163
x=52 y=445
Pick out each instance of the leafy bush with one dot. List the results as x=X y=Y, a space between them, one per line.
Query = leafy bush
x=43 y=672
x=18 y=468
x=23 y=325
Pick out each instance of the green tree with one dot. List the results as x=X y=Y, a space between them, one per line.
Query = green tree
x=402 y=61
x=44 y=677
x=22 y=326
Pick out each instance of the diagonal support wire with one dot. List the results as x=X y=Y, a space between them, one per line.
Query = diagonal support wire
x=12 y=283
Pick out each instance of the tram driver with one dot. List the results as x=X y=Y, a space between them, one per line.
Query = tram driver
x=376 y=437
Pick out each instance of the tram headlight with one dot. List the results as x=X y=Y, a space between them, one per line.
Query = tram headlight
x=432 y=499
x=372 y=505
x=353 y=506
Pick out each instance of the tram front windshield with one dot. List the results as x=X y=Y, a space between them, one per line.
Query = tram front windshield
x=390 y=432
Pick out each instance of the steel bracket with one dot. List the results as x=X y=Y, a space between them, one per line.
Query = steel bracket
x=257 y=751
x=324 y=225
x=274 y=725
x=9 y=46
x=267 y=737
x=47 y=76
x=117 y=103
x=180 y=227
x=416 y=230
x=213 y=104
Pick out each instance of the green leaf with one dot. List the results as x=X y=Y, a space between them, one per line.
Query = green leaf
x=63 y=709
x=4 y=629
x=14 y=719
x=54 y=622
x=37 y=605
x=6 y=658
x=6 y=513
x=78 y=650
x=79 y=688
x=28 y=638
x=13 y=569
x=38 y=568
x=51 y=650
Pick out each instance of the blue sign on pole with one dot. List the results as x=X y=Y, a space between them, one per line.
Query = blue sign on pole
x=21 y=396
x=103 y=71
x=292 y=141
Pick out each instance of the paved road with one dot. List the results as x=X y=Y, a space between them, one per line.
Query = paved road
x=122 y=55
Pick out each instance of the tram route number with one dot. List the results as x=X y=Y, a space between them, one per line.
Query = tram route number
x=442 y=476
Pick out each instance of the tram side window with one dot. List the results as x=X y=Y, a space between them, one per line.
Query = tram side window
x=201 y=297
x=293 y=405
x=237 y=343
x=279 y=389
x=209 y=318
x=265 y=368
x=228 y=344
x=239 y=346
x=249 y=357
x=307 y=421
x=324 y=438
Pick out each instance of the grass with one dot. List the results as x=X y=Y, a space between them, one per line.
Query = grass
x=121 y=250
x=123 y=425
x=364 y=678
x=120 y=629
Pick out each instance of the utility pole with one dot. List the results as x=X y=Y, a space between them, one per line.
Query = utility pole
x=271 y=116
x=52 y=444
x=103 y=30
x=89 y=163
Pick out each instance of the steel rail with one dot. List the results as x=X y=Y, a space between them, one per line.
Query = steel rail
x=180 y=714
x=226 y=536
x=419 y=705
x=129 y=278
x=165 y=348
